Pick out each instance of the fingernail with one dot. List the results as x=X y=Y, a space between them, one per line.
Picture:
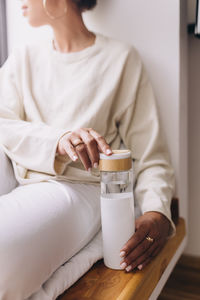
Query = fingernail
x=123 y=265
x=122 y=253
x=140 y=267
x=89 y=169
x=75 y=157
x=95 y=165
x=128 y=268
x=108 y=151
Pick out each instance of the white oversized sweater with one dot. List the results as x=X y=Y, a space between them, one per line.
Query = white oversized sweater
x=45 y=93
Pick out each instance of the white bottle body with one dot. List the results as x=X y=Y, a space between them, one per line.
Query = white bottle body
x=118 y=225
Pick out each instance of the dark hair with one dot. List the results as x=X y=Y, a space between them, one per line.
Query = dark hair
x=85 y=4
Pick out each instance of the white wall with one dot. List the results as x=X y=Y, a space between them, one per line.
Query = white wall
x=19 y=31
x=154 y=27
x=163 y=47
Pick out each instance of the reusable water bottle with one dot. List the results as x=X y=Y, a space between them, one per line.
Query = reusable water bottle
x=117 y=204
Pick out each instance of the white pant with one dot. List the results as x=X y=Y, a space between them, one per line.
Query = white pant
x=42 y=225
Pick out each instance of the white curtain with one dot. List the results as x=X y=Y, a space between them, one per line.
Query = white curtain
x=3 y=32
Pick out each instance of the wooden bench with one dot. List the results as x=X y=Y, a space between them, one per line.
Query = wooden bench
x=101 y=283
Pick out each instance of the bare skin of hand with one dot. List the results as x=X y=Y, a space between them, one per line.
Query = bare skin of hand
x=84 y=143
x=138 y=251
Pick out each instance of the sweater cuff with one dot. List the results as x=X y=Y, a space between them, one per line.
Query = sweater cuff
x=158 y=204
x=60 y=161
x=172 y=229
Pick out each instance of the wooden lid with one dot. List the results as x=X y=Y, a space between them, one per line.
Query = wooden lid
x=120 y=160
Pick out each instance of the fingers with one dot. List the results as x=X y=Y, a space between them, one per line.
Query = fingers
x=84 y=143
x=135 y=240
x=91 y=147
x=80 y=149
x=101 y=142
x=140 y=254
x=156 y=251
x=65 y=147
x=148 y=259
x=140 y=249
x=144 y=263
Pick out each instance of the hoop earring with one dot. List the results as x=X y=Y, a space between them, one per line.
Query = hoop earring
x=50 y=15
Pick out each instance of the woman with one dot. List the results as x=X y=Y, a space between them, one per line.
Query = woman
x=62 y=102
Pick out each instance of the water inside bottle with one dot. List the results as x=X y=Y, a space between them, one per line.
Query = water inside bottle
x=118 y=196
x=116 y=183
x=115 y=187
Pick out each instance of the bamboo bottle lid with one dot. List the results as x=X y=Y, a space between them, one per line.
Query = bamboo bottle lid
x=120 y=160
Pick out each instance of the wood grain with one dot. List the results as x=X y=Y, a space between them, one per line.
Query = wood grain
x=101 y=283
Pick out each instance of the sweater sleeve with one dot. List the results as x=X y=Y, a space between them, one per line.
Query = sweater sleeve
x=31 y=144
x=140 y=131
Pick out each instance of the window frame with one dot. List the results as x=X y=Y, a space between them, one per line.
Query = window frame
x=3 y=32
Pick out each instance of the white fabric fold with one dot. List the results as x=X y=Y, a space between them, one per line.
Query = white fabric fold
x=71 y=271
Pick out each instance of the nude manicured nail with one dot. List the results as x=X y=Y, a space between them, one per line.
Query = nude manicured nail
x=123 y=265
x=122 y=254
x=108 y=151
x=128 y=268
x=140 y=267
x=75 y=157
x=95 y=165
x=89 y=169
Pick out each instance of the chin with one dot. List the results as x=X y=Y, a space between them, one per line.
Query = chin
x=35 y=23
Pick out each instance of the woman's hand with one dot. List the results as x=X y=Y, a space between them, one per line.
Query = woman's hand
x=84 y=143
x=151 y=232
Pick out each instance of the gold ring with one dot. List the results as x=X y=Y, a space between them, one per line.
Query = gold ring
x=78 y=144
x=149 y=239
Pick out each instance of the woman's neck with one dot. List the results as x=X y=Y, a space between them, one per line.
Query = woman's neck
x=71 y=34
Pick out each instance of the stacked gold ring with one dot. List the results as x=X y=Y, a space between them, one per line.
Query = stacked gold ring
x=77 y=142
x=149 y=239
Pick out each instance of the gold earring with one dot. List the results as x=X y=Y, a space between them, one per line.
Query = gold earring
x=50 y=15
